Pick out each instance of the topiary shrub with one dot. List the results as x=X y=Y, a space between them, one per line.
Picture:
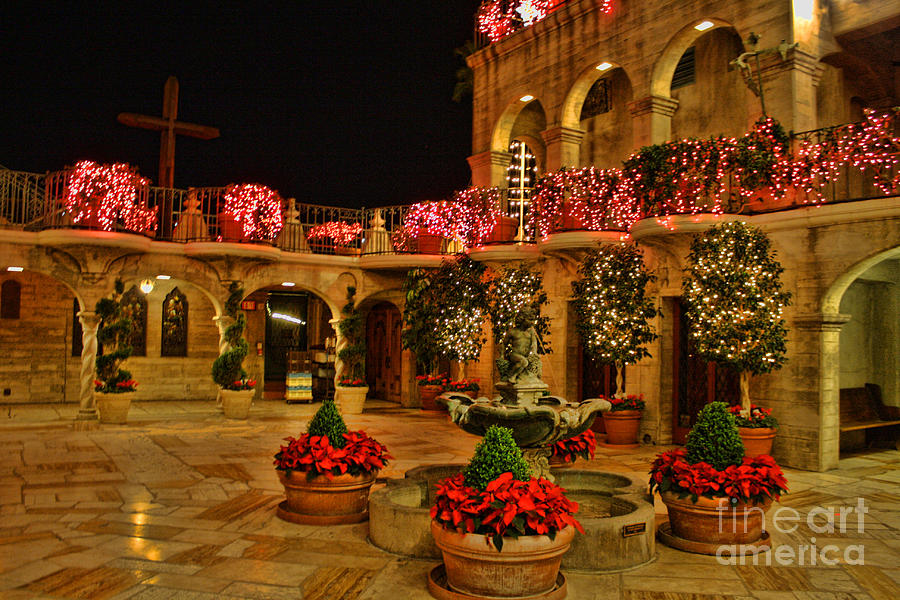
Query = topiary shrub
x=714 y=438
x=352 y=328
x=328 y=422
x=227 y=371
x=495 y=454
x=115 y=331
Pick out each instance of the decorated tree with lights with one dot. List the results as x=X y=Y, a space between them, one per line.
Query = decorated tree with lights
x=256 y=208
x=511 y=291
x=108 y=197
x=420 y=319
x=735 y=301
x=459 y=292
x=612 y=307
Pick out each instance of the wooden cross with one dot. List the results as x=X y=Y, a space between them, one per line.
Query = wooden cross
x=169 y=128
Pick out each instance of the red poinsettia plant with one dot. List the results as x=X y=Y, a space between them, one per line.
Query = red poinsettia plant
x=439 y=380
x=464 y=385
x=756 y=479
x=129 y=385
x=352 y=382
x=759 y=417
x=315 y=455
x=629 y=402
x=241 y=384
x=582 y=445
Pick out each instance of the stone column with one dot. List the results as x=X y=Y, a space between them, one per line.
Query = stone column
x=819 y=335
x=223 y=322
x=563 y=147
x=489 y=168
x=652 y=120
x=90 y=321
x=789 y=88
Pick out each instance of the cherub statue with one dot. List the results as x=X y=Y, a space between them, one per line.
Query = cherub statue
x=520 y=348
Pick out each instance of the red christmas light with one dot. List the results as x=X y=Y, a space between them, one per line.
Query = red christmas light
x=107 y=196
x=257 y=208
x=341 y=232
x=499 y=18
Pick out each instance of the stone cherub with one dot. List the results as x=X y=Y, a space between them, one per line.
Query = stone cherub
x=520 y=349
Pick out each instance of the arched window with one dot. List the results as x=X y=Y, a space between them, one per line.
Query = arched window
x=520 y=177
x=174 y=324
x=134 y=306
x=10 y=299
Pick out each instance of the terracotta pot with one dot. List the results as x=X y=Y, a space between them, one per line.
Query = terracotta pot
x=427 y=395
x=236 y=403
x=622 y=427
x=340 y=499
x=715 y=520
x=113 y=408
x=229 y=229
x=757 y=440
x=351 y=400
x=571 y=223
x=504 y=230
x=527 y=566
x=430 y=243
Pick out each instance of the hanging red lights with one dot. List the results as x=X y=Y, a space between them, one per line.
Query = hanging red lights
x=107 y=197
x=499 y=18
x=256 y=208
x=341 y=232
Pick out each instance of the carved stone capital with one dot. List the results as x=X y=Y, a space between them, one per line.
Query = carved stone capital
x=660 y=105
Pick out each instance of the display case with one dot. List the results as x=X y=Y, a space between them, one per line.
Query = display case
x=299 y=378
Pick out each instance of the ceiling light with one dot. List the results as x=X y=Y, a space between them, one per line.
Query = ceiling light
x=147 y=286
x=15 y=269
x=164 y=277
x=603 y=66
x=527 y=98
x=703 y=26
x=288 y=283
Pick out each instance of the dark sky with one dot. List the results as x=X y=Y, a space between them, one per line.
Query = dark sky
x=342 y=103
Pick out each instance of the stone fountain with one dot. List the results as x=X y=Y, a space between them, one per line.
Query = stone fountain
x=524 y=404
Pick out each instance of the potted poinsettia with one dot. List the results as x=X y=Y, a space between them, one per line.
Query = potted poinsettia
x=351 y=389
x=113 y=386
x=757 y=429
x=623 y=420
x=430 y=387
x=502 y=533
x=327 y=472
x=236 y=388
x=566 y=452
x=469 y=387
x=735 y=302
x=714 y=494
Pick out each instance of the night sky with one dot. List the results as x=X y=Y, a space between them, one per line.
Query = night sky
x=339 y=103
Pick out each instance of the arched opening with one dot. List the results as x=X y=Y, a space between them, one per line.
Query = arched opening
x=291 y=342
x=384 y=363
x=598 y=105
x=36 y=339
x=869 y=358
x=522 y=120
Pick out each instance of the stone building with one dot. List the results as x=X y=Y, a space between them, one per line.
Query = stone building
x=589 y=83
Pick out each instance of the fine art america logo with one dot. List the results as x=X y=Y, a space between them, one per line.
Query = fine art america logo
x=819 y=520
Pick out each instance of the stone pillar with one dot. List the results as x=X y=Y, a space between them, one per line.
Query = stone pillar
x=223 y=322
x=339 y=344
x=563 y=147
x=489 y=168
x=90 y=322
x=819 y=337
x=789 y=89
x=652 y=120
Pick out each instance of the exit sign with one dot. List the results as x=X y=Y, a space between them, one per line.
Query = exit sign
x=248 y=305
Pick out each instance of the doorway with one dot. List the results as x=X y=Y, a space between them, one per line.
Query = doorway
x=286 y=331
x=384 y=352
x=597 y=380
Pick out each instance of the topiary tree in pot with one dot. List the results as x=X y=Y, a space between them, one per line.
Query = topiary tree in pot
x=351 y=389
x=735 y=302
x=419 y=334
x=236 y=388
x=113 y=386
x=502 y=533
x=715 y=496
x=459 y=291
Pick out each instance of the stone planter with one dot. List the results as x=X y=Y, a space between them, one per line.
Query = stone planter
x=527 y=566
x=430 y=243
x=622 y=427
x=113 y=408
x=708 y=524
x=236 y=403
x=427 y=395
x=757 y=440
x=351 y=400
x=324 y=501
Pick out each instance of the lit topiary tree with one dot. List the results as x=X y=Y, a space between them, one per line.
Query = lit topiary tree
x=735 y=301
x=511 y=291
x=458 y=291
x=714 y=438
x=420 y=319
x=328 y=422
x=613 y=310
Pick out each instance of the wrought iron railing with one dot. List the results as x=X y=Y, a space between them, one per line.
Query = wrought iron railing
x=21 y=197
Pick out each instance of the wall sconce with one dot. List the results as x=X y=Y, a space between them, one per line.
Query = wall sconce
x=147 y=286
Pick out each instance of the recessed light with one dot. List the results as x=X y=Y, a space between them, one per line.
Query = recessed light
x=527 y=98
x=704 y=25
x=288 y=283
x=15 y=269
x=164 y=277
x=603 y=66
x=147 y=286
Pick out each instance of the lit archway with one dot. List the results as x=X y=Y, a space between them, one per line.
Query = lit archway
x=664 y=67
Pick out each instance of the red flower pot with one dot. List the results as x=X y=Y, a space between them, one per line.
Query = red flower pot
x=323 y=500
x=622 y=427
x=430 y=243
x=757 y=440
x=229 y=229
x=427 y=395
x=715 y=520
x=504 y=230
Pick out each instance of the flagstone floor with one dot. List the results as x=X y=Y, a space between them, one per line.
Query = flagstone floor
x=180 y=503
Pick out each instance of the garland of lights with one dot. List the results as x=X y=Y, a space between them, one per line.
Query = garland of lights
x=479 y=214
x=511 y=291
x=458 y=291
x=107 y=196
x=499 y=18
x=735 y=301
x=341 y=232
x=257 y=208
x=612 y=307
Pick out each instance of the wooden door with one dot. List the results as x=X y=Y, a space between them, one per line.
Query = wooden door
x=696 y=382
x=384 y=352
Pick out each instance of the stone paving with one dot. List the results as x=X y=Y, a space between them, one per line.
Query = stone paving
x=180 y=503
